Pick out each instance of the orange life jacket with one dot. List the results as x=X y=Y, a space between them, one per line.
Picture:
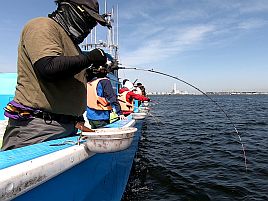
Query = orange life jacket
x=93 y=100
x=124 y=104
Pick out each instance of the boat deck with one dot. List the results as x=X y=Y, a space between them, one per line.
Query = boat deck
x=20 y=155
x=80 y=173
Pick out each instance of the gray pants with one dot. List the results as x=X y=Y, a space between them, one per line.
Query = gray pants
x=22 y=133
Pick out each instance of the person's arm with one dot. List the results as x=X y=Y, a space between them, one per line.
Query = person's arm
x=110 y=95
x=132 y=95
x=53 y=68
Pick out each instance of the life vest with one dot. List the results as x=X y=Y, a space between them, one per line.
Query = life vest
x=124 y=104
x=93 y=100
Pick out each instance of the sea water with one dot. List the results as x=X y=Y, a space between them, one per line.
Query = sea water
x=190 y=151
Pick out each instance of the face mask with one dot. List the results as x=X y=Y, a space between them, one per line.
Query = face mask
x=74 y=21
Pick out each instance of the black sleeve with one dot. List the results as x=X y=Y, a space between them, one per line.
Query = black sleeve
x=53 y=68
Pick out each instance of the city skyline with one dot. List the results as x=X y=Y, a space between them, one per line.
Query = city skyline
x=175 y=91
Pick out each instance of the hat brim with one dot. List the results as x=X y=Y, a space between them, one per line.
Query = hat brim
x=99 y=18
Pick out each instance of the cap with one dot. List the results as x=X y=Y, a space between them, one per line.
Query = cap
x=92 y=8
x=124 y=81
x=129 y=85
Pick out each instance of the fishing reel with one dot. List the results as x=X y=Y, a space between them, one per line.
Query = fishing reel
x=110 y=66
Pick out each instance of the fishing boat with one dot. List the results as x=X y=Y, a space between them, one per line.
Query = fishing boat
x=90 y=166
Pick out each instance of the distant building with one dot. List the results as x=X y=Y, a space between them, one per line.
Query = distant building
x=174 y=90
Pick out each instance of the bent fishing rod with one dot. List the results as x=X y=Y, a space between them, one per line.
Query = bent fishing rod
x=215 y=102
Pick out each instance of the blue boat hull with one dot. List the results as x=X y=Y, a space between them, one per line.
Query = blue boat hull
x=100 y=177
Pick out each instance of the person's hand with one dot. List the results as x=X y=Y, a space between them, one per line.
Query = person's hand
x=122 y=117
x=97 y=57
x=82 y=127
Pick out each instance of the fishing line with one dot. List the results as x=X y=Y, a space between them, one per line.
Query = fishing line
x=176 y=78
x=155 y=102
x=147 y=111
x=157 y=120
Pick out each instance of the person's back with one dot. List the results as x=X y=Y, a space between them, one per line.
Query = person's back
x=36 y=91
x=101 y=100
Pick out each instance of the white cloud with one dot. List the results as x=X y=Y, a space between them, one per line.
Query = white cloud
x=195 y=34
x=254 y=6
x=252 y=24
x=167 y=44
x=178 y=28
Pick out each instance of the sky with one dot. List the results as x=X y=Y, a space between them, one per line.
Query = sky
x=215 y=45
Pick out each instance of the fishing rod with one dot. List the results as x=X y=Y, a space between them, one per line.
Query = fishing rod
x=176 y=78
x=135 y=81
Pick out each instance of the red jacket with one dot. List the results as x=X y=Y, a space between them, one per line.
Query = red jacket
x=130 y=96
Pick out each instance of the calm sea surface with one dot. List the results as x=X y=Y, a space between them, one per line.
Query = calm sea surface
x=190 y=151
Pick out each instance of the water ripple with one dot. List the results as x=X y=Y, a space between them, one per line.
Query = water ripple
x=190 y=151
